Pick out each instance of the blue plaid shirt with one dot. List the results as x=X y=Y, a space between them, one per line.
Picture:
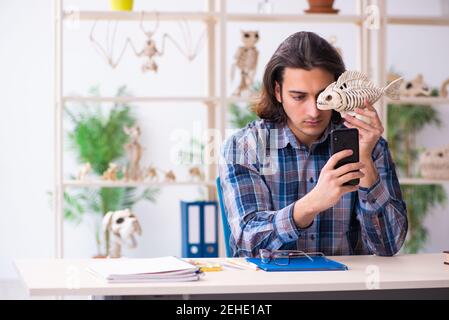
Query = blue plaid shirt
x=264 y=169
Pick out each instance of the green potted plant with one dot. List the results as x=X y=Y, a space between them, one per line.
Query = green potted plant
x=99 y=139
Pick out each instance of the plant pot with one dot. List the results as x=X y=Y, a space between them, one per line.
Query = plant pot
x=100 y=256
x=121 y=5
x=321 y=6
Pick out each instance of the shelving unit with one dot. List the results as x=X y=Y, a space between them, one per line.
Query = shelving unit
x=215 y=101
x=102 y=183
x=382 y=50
x=210 y=101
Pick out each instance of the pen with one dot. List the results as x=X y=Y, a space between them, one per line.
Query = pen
x=243 y=264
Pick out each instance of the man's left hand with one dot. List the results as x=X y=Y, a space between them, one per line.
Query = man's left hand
x=370 y=133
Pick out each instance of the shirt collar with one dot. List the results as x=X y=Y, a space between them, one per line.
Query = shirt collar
x=286 y=136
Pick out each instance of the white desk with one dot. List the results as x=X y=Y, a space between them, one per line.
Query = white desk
x=405 y=273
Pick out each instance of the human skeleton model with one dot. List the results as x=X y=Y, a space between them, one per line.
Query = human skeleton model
x=134 y=150
x=150 y=49
x=351 y=90
x=85 y=170
x=414 y=88
x=122 y=226
x=246 y=60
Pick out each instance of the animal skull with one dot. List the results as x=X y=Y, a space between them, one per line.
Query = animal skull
x=123 y=226
x=330 y=99
x=434 y=163
x=414 y=88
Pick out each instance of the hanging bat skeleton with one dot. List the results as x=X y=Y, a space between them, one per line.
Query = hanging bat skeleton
x=150 y=49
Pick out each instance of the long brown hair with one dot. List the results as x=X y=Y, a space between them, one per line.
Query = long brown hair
x=304 y=50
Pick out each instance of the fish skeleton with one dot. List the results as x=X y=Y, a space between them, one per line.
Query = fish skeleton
x=350 y=91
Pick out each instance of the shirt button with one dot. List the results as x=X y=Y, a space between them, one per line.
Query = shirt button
x=312 y=237
x=311 y=180
x=364 y=201
x=373 y=200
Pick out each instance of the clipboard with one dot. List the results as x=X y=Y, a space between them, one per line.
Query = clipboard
x=319 y=263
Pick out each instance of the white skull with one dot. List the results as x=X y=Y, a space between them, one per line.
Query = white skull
x=123 y=225
x=330 y=98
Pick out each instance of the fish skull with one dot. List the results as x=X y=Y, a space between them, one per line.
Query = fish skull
x=329 y=99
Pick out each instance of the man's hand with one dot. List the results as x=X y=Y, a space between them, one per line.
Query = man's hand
x=369 y=134
x=328 y=190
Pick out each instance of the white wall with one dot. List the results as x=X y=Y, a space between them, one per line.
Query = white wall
x=26 y=83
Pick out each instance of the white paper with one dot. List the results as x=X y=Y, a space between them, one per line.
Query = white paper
x=153 y=267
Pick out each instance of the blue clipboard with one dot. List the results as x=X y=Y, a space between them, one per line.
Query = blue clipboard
x=301 y=264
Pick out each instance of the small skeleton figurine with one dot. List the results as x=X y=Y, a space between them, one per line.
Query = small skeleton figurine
x=170 y=176
x=84 y=171
x=414 y=88
x=195 y=174
x=122 y=225
x=134 y=150
x=443 y=89
x=246 y=60
x=152 y=173
x=111 y=172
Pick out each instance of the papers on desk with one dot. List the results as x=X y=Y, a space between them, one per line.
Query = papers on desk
x=164 y=269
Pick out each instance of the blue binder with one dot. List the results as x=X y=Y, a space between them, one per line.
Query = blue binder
x=301 y=264
x=199 y=238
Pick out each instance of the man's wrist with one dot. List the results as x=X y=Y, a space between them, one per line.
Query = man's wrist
x=305 y=210
x=370 y=172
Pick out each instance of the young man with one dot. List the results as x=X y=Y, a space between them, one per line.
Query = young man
x=280 y=188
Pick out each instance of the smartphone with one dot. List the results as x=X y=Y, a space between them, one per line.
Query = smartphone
x=343 y=139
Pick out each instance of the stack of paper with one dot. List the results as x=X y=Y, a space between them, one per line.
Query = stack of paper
x=165 y=269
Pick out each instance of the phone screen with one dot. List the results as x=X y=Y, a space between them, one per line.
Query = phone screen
x=343 y=139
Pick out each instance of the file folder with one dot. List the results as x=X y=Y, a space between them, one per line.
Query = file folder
x=319 y=263
x=199 y=229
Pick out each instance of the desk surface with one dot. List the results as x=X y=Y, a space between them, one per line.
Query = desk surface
x=70 y=277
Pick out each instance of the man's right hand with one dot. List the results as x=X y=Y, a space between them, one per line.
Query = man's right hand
x=329 y=188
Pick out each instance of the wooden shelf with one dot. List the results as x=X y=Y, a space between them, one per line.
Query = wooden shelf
x=137 y=15
x=418 y=20
x=421 y=181
x=420 y=100
x=248 y=17
x=296 y=18
x=205 y=16
x=162 y=99
x=140 y=99
x=121 y=184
